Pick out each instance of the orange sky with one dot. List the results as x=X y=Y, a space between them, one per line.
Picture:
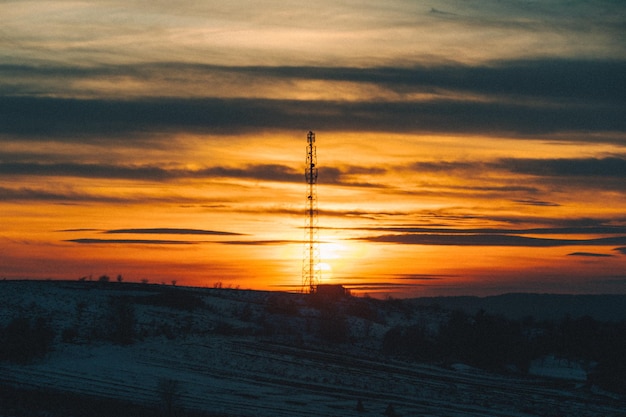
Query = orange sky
x=471 y=148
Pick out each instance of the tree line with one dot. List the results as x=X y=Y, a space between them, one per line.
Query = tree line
x=496 y=343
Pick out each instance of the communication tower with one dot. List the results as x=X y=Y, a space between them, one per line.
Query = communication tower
x=311 y=272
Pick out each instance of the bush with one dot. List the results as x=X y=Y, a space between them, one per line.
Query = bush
x=484 y=340
x=121 y=321
x=281 y=304
x=333 y=326
x=412 y=342
x=25 y=339
x=169 y=392
x=177 y=299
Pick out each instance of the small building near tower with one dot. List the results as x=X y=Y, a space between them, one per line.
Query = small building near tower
x=331 y=291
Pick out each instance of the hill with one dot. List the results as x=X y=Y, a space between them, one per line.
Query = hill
x=603 y=307
x=111 y=349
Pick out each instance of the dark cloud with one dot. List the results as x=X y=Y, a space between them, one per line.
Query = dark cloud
x=526 y=98
x=595 y=229
x=149 y=173
x=441 y=12
x=421 y=277
x=131 y=241
x=595 y=173
x=71 y=196
x=548 y=79
x=568 y=167
x=365 y=170
x=614 y=167
x=539 y=203
x=489 y=240
x=90 y=171
x=61 y=196
x=382 y=286
x=171 y=231
x=590 y=254
x=259 y=242
x=79 y=230
x=599 y=225
x=621 y=250
x=366 y=214
x=76 y=119
x=446 y=166
x=263 y=172
x=268 y=172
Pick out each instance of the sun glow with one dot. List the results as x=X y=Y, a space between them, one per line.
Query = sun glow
x=325 y=270
x=333 y=255
x=331 y=250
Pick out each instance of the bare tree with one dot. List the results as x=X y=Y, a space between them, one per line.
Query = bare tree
x=169 y=392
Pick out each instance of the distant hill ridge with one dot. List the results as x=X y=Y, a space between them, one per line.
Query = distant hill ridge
x=607 y=307
x=603 y=307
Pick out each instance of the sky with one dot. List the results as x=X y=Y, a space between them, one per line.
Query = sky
x=464 y=147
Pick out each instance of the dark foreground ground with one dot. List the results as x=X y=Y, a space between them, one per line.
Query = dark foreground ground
x=114 y=349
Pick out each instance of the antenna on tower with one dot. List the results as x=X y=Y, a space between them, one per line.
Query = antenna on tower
x=310 y=264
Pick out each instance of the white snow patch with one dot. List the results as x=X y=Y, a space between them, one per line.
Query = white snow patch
x=553 y=367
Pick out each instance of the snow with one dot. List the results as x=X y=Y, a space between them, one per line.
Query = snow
x=559 y=368
x=247 y=370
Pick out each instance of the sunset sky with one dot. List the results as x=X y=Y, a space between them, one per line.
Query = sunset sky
x=464 y=147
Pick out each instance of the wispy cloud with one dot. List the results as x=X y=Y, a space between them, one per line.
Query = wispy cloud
x=539 y=203
x=62 y=195
x=591 y=254
x=545 y=79
x=511 y=98
x=171 y=231
x=490 y=239
x=89 y=241
x=595 y=229
x=421 y=277
x=568 y=167
x=72 y=195
x=260 y=242
x=259 y=172
x=614 y=166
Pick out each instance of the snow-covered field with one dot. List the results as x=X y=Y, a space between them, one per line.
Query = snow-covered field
x=247 y=353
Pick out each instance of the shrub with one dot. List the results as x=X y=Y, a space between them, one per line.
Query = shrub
x=169 y=392
x=25 y=339
x=174 y=298
x=412 y=342
x=121 y=321
x=333 y=326
x=281 y=304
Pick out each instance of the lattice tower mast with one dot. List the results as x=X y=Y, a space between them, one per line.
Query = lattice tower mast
x=311 y=272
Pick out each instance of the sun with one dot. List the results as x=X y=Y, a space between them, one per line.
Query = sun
x=331 y=256
x=331 y=250
x=325 y=270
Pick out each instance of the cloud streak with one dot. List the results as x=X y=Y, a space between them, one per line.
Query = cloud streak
x=511 y=98
x=88 y=241
x=502 y=240
x=73 y=119
x=547 y=80
x=171 y=231
x=590 y=254
x=258 y=172
x=611 y=167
